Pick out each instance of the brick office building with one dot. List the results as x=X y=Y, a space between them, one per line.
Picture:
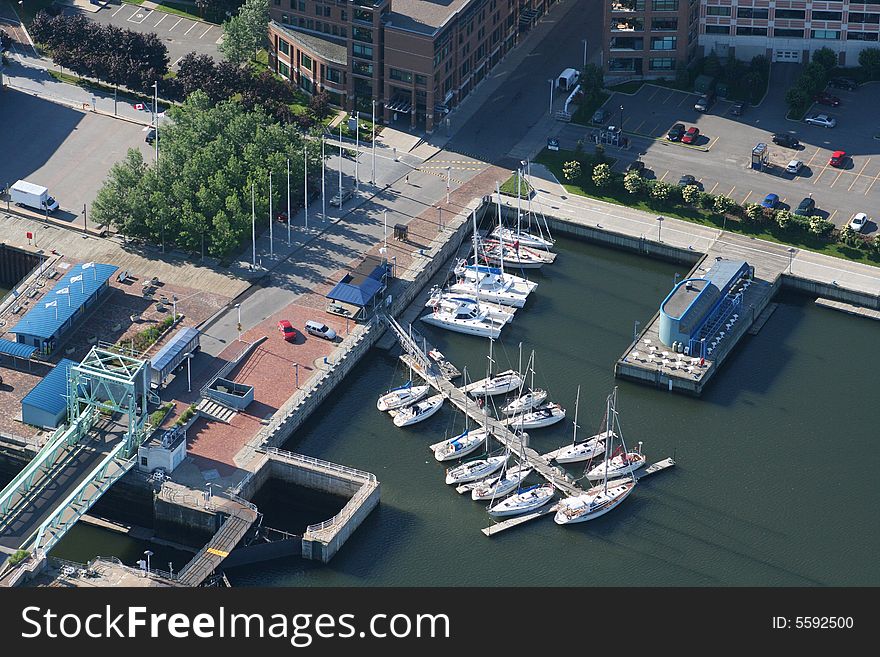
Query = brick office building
x=417 y=59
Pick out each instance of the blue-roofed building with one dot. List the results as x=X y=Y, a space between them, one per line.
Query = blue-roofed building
x=359 y=289
x=184 y=342
x=695 y=303
x=46 y=405
x=47 y=324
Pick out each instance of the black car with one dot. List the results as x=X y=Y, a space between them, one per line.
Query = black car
x=787 y=140
x=688 y=179
x=843 y=83
x=638 y=166
x=806 y=207
x=151 y=136
x=675 y=132
x=737 y=109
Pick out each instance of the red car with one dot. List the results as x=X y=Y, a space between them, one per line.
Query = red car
x=825 y=98
x=837 y=159
x=287 y=330
x=690 y=137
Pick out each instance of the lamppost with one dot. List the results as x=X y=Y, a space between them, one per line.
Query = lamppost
x=373 y=144
x=636 y=331
x=296 y=374
x=790 y=257
x=174 y=307
x=253 y=227
x=551 y=95
x=189 y=357
x=323 y=197
x=271 y=230
x=439 y=217
x=659 y=226
x=306 y=185
x=238 y=308
x=149 y=554
x=621 y=118
x=585 y=53
x=357 y=150
x=448 y=169
x=170 y=570
x=288 y=198
x=675 y=279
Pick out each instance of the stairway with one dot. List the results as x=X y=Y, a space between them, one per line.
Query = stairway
x=215 y=411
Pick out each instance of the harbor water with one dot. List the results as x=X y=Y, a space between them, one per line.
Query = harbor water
x=770 y=486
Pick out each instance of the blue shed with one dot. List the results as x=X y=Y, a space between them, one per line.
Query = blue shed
x=46 y=405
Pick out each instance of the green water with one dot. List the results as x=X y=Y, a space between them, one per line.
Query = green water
x=771 y=486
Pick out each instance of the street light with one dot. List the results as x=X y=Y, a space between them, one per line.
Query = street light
x=585 y=53
x=174 y=307
x=448 y=169
x=373 y=144
x=621 y=118
x=189 y=357
x=790 y=257
x=238 y=307
x=149 y=554
x=551 y=95
x=636 y=331
x=659 y=226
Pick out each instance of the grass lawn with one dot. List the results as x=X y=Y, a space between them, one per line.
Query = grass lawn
x=509 y=187
x=585 y=111
x=187 y=11
x=122 y=96
x=133 y=2
x=628 y=87
x=615 y=193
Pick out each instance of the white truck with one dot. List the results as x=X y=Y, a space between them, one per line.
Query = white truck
x=567 y=79
x=32 y=196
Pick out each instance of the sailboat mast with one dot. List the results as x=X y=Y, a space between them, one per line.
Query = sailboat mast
x=519 y=367
x=518 y=202
x=608 y=425
x=577 y=401
x=500 y=236
x=532 y=360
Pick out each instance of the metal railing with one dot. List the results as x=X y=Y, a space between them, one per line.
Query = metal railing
x=347 y=511
x=327 y=465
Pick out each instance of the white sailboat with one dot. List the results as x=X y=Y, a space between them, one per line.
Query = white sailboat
x=404 y=417
x=491 y=284
x=528 y=401
x=450 y=301
x=602 y=498
x=528 y=500
x=473 y=470
x=519 y=235
x=401 y=396
x=584 y=450
x=497 y=486
x=522 y=257
x=462 y=445
x=542 y=416
x=465 y=318
x=619 y=463
x=499 y=384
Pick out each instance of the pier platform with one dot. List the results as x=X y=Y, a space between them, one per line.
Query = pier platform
x=850 y=309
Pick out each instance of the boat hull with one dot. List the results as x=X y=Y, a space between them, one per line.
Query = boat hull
x=582 y=451
x=511 y=481
x=563 y=518
x=469 y=444
x=394 y=400
x=468 y=329
x=522 y=503
x=495 y=385
x=599 y=471
x=456 y=476
x=403 y=419
x=525 y=403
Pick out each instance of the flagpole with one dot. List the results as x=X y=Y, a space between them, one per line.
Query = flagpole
x=288 y=201
x=323 y=170
x=306 y=184
x=253 y=227
x=271 y=240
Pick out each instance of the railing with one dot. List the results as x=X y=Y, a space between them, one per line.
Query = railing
x=347 y=511
x=327 y=465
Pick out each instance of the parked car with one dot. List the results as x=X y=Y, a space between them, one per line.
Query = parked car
x=688 y=179
x=675 y=132
x=843 y=83
x=287 y=330
x=638 y=166
x=737 y=109
x=859 y=222
x=822 y=120
x=825 y=98
x=690 y=137
x=340 y=197
x=770 y=201
x=837 y=159
x=320 y=330
x=600 y=116
x=806 y=207
x=786 y=140
x=704 y=102
x=151 y=136
x=794 y=166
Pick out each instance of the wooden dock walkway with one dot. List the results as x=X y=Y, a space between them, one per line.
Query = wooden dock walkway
x=859 y=311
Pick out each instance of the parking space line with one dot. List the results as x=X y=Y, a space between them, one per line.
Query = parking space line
x=810 y=161
x=816 y=179
x=713 y=189
x=638 y=126
x=146 y=16
x=654 y=129
x=175 y=25
x=176 y=61
x=711 y=144
x=683 y=99
x=838 y=178
x=211 y=27
x=872 y=183
x=859 y=174
x=656 y=91
x=746 y=198
x=121 y=7
x=831 y=216
x=669 y=97
x=164 y=16
x=664 y=175
x=190 y=29
x=730 y=193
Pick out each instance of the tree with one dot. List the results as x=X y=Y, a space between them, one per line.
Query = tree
x=816 y=75
x=707 y=200
x=849 y=237
x=869 y=60
x=600 y=152
x=784 y=219
x=592 y=80
x=723 y=204
x=660 y=191
x=797 y=99
x=712 y=65
x=245 y=34
x=602 y=175
x=691 y=194
x=754 y=213
x=826 y=58
x=571 y=170
x=875 y=245
x=682 y=75
x=320 y=104
x=633 y=183
x=820 y=227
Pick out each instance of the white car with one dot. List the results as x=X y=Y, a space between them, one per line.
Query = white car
x=320 y=330
x=858 y=222
x=794 y=166
x=823 y=120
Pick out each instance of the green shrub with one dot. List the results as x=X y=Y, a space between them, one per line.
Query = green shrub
x=602 y=175
x=661 y=191
x=754 y=214
x=633 y=182
x=783 y=219
x=571 y=170
x=723 y=204
x=691 y=194
x=820 y=227
x=18 y=556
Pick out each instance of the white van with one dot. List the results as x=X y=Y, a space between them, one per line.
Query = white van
x=567 y=79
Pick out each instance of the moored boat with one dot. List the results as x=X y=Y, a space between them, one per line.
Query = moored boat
x=542 y=416
x=462 y=445
x=404 y=417
x=401 y=396
x=473 y=470
x=523 y=502
x=526 y=402
x=497 y=486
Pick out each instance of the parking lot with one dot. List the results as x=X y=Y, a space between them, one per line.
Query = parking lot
x=721 y=157
x=180 y=35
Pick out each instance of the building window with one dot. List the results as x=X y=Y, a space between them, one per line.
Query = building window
x=343 y=15
x=717 y=11
x=752 y=12
x=825 y=34
x=621 y=64
x=306 y=84
x=284 y=70
x=751 y=31
x=861 y=36
x=791 y=34
x=627 y=24
x=144 y=461
x=334 y=75
x=362 y=68
x=664 y=24
x=305 y=61
x=796 y=14
x=284 y=47
x=465 y=68
x=360 y=34
x=627 y=43
x=302 y=5
x=400 y=76
x=664 y=43
x=629 y=5
x=855 y=17
x=827 y=15
x=718 y=29
x=664 y=5
x=365 y=52
x=421 y=80
x=363 y=15
x=277 y=2
x=661 y=64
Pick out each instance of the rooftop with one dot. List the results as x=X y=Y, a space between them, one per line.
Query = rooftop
x=424 y=16
x=682 y=297
x=324 y=48
x=50 y=394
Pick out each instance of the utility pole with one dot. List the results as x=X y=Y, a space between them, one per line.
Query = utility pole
x=253 y=227
x=323 y=197
x=373 y=172
x=271 y=234
x=551 y=95
x=585 y=54
x=306 y=184
x=288 y=203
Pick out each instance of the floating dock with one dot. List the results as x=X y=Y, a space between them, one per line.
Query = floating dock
x=850 y=309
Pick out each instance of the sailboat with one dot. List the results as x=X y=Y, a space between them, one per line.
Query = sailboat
x=401 y=396
x=462 y=445
x=450 y=300
x=473 y=470
x=519 y=235
x=619 y=463
x=419 y=411
x=605 y=496
x=527 y=500
x=542 y=416
x=498 y=486
x=526 y=402
x=499 y=384
x=584 y=450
